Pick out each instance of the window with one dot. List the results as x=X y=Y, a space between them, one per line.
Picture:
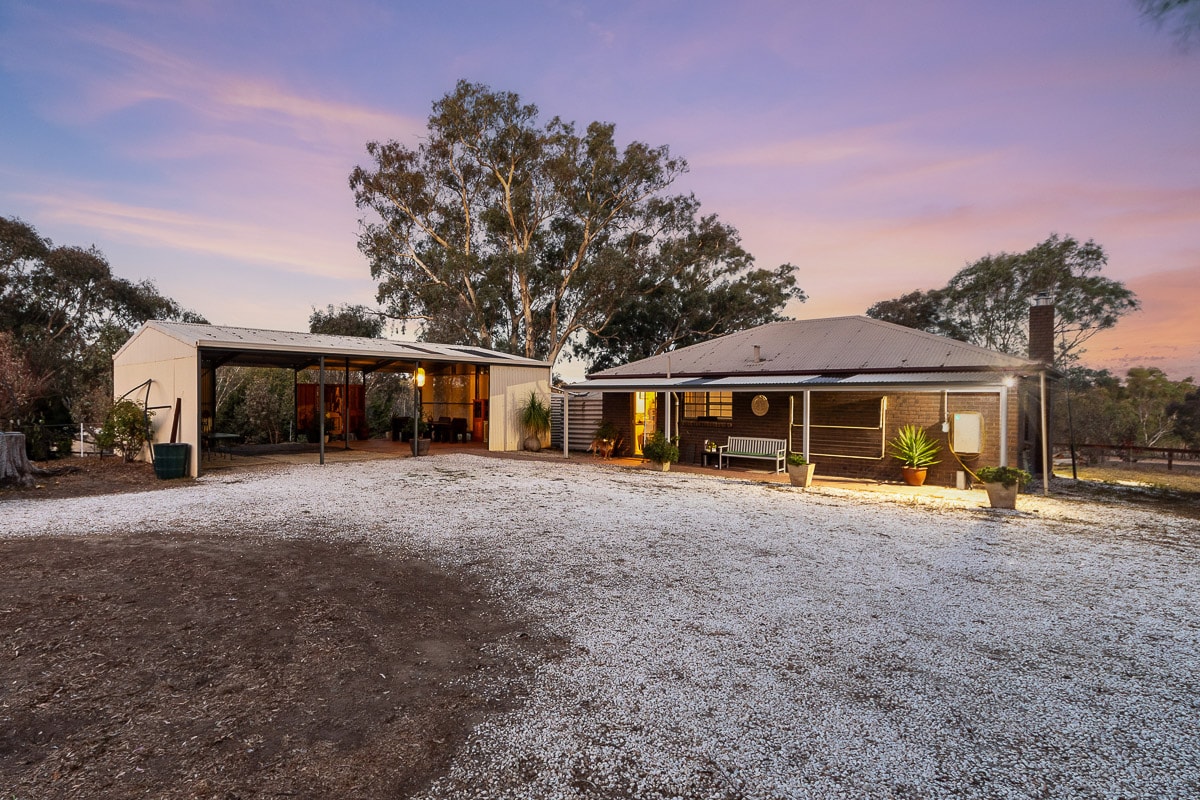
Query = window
x=708 y=405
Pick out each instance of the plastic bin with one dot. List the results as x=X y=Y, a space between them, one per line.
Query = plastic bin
x=171 y=460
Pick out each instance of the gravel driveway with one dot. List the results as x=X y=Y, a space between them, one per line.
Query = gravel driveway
x=728 y=639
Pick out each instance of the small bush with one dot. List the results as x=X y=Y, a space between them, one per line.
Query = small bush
x=127 y=429
x=660 y=449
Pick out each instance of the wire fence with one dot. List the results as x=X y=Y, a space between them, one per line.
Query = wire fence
x=1171 y=456
x=44 y=441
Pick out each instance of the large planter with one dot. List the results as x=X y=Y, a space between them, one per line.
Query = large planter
x=666 y=465
x=171 y=460
x=422 y=447
x=801 y=474
x=914 y=476
x=1001 y=496
x=533 y=444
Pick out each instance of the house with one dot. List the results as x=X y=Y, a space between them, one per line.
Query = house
x=836 y=390
x=171 y=368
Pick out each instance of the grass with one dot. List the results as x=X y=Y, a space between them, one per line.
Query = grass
x=1176 y=491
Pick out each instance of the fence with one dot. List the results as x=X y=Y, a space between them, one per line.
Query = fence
x=1132 y=453
x=43 y=442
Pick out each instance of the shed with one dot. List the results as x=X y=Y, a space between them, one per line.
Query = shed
x=175 y=363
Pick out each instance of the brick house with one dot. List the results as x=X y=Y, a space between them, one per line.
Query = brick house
x=836 y=390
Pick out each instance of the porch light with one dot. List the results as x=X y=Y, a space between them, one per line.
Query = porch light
x=420 y=377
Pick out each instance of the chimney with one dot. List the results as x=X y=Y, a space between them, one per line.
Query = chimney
x=1041 y=328
x=757 y=354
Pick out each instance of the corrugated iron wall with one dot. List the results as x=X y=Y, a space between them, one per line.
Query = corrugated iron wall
x=585 y=415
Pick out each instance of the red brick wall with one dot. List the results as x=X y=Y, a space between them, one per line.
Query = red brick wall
x=923 y=409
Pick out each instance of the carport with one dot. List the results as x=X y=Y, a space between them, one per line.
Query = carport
x=175 y=363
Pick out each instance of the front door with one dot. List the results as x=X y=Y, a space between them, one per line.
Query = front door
x=645 y=416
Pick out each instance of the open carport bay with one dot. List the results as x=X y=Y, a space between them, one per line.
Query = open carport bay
x=732 y=639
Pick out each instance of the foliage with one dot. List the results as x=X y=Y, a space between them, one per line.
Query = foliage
x=535 y=416
x=347 y=320
x=68 y=314
x=127 y=429
x=1186 y=413
x=1143 y=410
x=710 y=289
x=503 y=232
x=660 y=449
x=606 y=430
x=1006 y=476
x=913 y=447
x=1182 y=15
x=796 y=459
x=20 y=384
x=987 y=303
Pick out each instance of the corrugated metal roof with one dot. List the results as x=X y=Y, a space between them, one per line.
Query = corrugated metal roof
x=835 y=345
x=249 y=340
x=768 y=383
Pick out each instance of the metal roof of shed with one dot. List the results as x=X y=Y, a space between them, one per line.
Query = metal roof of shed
x=260 y=347
x=832 y=346
x=774 y=383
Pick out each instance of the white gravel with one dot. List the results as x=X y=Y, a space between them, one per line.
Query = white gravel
x=738 y=640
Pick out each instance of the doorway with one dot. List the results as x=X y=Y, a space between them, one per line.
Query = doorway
x=645 y=419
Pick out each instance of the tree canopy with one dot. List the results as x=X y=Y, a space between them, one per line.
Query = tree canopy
x=1182 y=16
x=347 y=320
x=66 y=311
x=503 y=232
x=987 y=302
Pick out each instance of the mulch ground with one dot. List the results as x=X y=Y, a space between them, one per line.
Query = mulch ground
x=237 y=667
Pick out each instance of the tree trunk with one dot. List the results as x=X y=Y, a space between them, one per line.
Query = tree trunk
x=15 y=466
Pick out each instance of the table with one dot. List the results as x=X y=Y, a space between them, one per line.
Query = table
x=215 y=440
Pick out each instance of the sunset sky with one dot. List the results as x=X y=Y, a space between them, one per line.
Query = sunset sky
x=878 y=146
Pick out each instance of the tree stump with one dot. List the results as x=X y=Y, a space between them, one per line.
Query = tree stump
x=15 y=466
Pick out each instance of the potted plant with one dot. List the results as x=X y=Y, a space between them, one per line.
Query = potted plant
x=800 y=472
x=916 y=451
x=661 y=450
x=535 y=419
x=1002 y=484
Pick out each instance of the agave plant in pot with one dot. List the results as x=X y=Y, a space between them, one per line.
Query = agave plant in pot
x=800 y=472
x=661 y=450
x=535 y=419
x=916 y=450
x=1002 y=484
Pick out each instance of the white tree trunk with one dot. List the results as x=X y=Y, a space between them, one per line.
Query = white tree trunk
x=15 y=466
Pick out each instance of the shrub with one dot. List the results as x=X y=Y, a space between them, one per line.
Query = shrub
x=1006 y=476
x=913 y=447
x=127 y=429
x=660 y=449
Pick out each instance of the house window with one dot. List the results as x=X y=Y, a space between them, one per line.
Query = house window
x=708 y=405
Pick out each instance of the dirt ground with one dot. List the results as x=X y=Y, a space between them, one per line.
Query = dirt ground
x=237 y=667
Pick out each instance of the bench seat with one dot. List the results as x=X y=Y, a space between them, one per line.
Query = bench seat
x=756 y=448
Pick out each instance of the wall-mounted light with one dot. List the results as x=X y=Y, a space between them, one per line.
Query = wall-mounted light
x=420 y=377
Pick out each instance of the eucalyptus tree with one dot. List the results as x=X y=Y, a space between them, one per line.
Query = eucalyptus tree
x=987 y=302
x=500 y=231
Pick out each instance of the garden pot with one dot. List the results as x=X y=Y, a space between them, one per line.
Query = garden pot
x=801 y=474
x=1001 y=497
x=914 y=476
x=533 y=444
x=666 y=466
x=423 y=447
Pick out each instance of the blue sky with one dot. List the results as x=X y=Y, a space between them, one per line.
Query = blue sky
x=879 y=147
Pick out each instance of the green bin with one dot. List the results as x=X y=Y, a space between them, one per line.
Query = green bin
x=171 y=460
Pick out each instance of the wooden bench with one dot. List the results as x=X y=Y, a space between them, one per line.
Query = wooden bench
x=751 y=447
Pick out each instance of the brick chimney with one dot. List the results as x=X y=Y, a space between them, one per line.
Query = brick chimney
x=1041 y=329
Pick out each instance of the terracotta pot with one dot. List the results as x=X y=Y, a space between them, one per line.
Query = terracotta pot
x=914 y=476
x=1001 y=497
x=801 y=474
x=533 y=444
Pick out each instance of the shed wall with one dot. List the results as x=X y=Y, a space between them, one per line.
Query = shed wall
x=172 y=368
x=509 y=387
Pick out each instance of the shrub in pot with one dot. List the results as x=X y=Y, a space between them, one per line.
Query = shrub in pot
x=800 y=472
x=916 y=450
x=1002 y=484
x=661 y=450
x=535 y=419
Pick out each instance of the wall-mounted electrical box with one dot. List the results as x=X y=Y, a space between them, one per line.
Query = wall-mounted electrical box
x=966 y=433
